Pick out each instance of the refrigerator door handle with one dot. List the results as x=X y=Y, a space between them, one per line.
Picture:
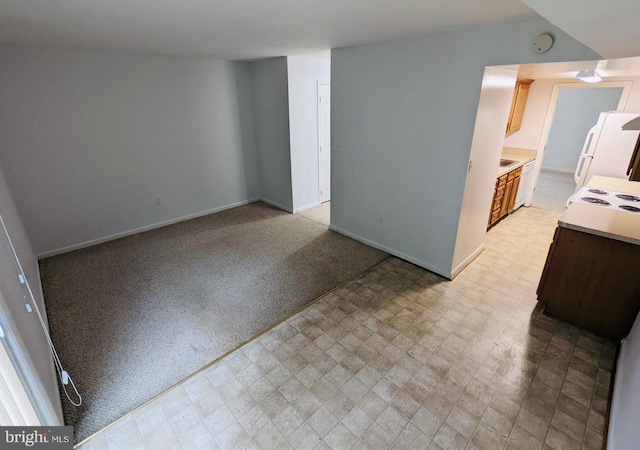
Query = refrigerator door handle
x=586 y=148
x=581 y=170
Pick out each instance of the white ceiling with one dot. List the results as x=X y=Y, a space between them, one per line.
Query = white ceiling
x=236 y=29
x=610 y=27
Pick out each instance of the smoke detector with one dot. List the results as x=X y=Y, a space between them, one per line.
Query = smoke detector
x=542 y=43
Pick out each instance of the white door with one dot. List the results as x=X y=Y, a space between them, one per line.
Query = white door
x=324 y=140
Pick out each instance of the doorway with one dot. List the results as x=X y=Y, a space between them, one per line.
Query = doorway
x=324 y=141
x=322 y=212
x=309 y=99
x=576 y=111
x=573 y=110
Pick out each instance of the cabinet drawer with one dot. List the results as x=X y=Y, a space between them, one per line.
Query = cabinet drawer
x=502 y=180
x=495 y=215
x=514 y=173
x=499 y=191
x=497 y=202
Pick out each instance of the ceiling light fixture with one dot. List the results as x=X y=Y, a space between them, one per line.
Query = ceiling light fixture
x=589 y=76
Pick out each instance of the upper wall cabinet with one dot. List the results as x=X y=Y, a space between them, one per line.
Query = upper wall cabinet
x=517 y=105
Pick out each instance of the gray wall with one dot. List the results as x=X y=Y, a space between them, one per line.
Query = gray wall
x=303 y=75
x=403 y=115
x=25 y=326
x=271 y=119
x=90 y=138
x=576 y=112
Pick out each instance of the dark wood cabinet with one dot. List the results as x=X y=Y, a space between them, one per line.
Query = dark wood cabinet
x=592 y=281
x=504 y=195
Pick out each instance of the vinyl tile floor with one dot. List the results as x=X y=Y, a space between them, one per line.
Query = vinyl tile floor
x=401 y=358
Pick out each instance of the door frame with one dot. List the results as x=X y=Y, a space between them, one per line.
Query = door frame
x=550 y=114
x=318 y=106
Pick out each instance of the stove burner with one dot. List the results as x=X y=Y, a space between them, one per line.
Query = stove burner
x=634 y=209
x=628 y=197
x=595 y=201
x=598 y=191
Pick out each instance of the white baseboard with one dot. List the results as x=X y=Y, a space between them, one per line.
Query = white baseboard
x=518 y=205
x=456 y=270
x=304 y=208
x=553 y=169
x=392 y=251
x=111 y=237
x=276 y=205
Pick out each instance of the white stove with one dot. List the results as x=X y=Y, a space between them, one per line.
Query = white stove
x=601 y=198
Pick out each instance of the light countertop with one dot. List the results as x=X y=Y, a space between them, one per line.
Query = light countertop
x=615 y=184
x=610 y=223
x=521 y=155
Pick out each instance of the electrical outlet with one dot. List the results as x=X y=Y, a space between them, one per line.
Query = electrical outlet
x=379 y=218
x=158 y=202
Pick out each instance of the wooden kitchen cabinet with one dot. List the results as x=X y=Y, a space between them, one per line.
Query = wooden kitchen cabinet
x=592 y=281
x=518 y=103
x=504 y=207
x=514 y=177
x=504 y=195
x=498 y=196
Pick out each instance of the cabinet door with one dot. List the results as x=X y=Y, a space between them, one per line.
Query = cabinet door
x=592 y=281
x=508 y=189
x=518 y=104
x=518 y=111
x=496 y=204
x=514 y=99
x=496 y=198
x=494 y=217
x=514 y=193
x=547 y=264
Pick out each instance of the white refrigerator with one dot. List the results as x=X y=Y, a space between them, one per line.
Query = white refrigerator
x=608 y=149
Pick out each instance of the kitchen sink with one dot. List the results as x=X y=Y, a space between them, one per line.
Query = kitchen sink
x=507 y=162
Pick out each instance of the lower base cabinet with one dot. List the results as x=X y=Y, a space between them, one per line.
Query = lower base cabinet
x=504 y=196
x=592 y=281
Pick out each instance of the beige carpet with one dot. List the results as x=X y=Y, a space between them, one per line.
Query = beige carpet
x=133 y=317
x=321 y=213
